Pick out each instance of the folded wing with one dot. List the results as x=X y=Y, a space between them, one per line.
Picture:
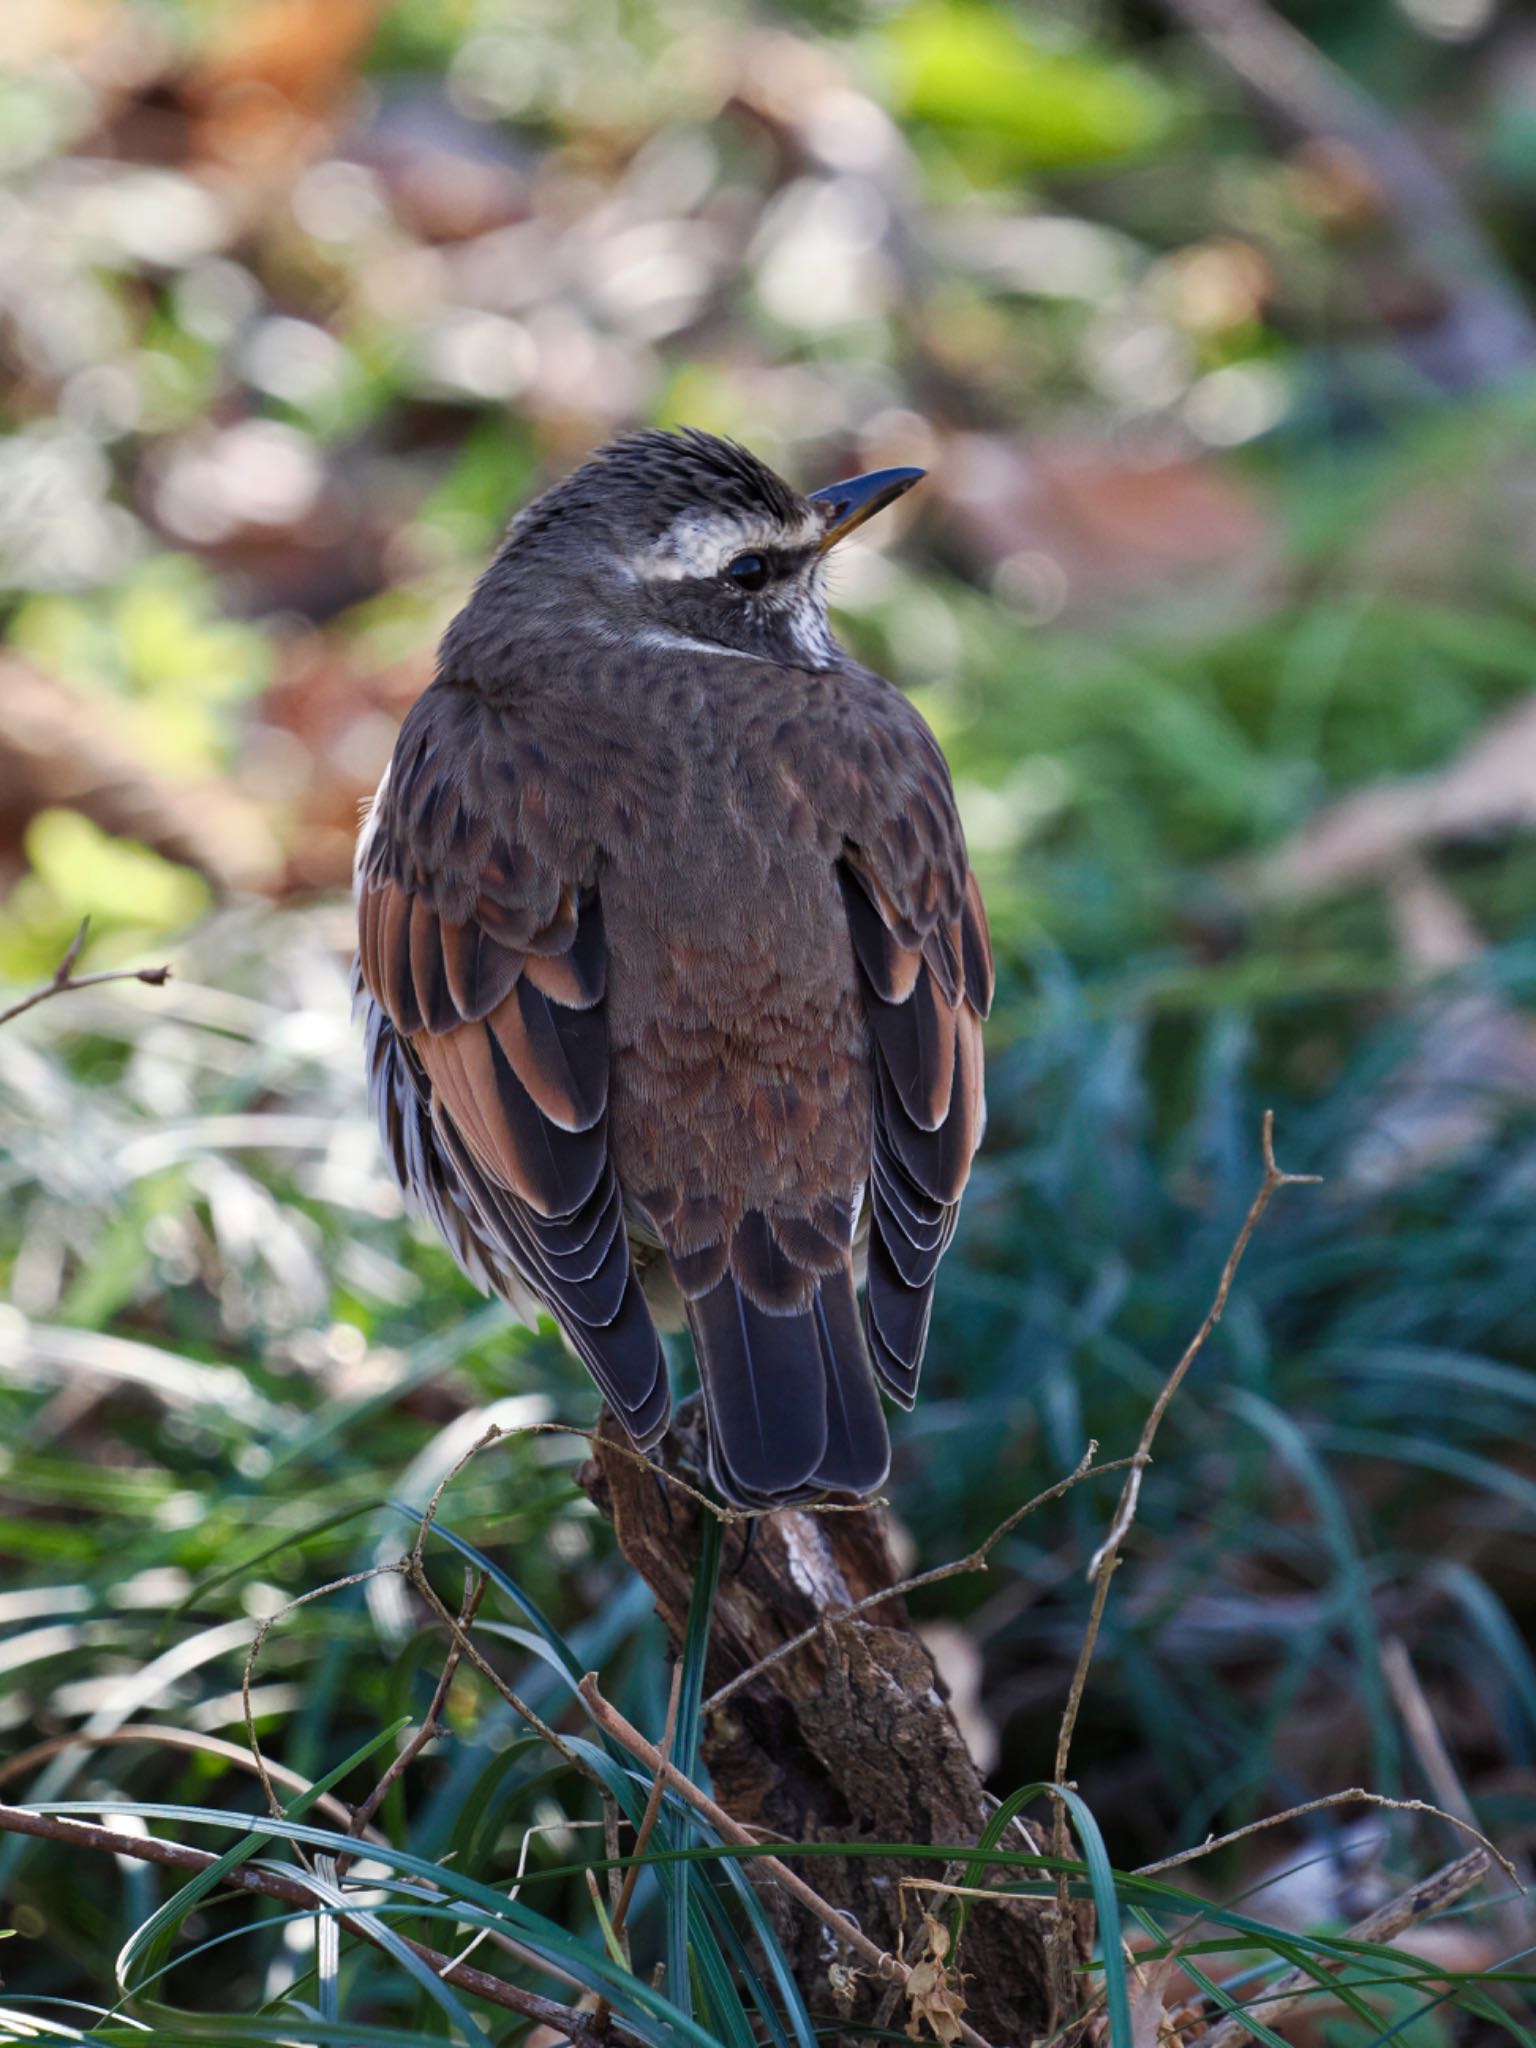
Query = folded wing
x=482 y=973
x=925 y=969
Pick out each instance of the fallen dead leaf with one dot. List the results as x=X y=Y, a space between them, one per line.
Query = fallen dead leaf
x=934 y=1995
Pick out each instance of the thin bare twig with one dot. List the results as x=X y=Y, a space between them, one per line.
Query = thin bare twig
x=890 y=1967
x=247 y=1677
x=1490 y=331
x=652 y=1804
x=416 y=1575
x=973 y=1561
x=1355 y=1795
x=1125 y=1514
x=1421 y=1901
x=572 y=2025
x=1102 y=1565
x=65 y=980
x=431 y=1725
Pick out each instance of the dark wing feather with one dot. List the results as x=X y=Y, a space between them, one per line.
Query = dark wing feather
x=925 y=965
x=482 y=972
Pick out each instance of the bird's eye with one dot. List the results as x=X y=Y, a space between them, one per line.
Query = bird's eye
x=748 y=572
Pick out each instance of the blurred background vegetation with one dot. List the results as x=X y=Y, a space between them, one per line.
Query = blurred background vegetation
x=1212 y=325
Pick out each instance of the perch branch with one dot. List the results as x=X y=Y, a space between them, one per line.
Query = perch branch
x=973 y=1561
x=880 y=1960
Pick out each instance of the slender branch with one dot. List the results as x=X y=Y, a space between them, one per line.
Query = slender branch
x=247 y=1676
x=652 y=1804
x=467 y=1645
x=1355 y=1795
x=1125 y=1514
x=65 y=980
x=572 y=2025
x=1421 y=1901
x=431 y=1726
x=973 y=1561
x=843 y=1928
x=1102 y=1565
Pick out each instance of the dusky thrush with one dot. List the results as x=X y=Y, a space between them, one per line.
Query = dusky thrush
x=672 y=962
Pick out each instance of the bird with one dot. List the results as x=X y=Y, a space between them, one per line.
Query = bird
x=672 y=964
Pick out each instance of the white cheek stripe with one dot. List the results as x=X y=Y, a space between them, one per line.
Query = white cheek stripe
x=685 y=643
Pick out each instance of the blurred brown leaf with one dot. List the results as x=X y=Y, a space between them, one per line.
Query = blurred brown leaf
x=61 y=750
x=1111 y=519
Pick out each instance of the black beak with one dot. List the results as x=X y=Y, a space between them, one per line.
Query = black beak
x=849 y=504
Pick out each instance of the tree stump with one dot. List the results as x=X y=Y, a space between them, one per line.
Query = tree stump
x=848 y=1738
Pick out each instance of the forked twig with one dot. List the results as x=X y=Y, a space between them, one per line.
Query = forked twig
x=1274 y=1179
x=416 y=1575
x=65 y=980
x=431 y=1724
x=248 y=1675
x=1102 y=1565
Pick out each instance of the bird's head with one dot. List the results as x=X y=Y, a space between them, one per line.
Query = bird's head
x=678 y=539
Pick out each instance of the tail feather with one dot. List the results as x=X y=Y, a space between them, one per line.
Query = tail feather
x=793 y=1410
x=858 y=1453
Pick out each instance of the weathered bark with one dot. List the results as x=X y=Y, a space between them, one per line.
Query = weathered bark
x=849 y=1738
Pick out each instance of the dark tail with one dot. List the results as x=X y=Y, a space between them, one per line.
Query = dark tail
x=793 y=1410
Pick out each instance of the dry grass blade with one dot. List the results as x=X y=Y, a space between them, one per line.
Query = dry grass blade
x=1422 y=1901
x=177 y=1738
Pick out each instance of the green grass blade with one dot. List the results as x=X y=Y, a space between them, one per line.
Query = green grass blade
x=685 y=1739
x=150 y=1942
